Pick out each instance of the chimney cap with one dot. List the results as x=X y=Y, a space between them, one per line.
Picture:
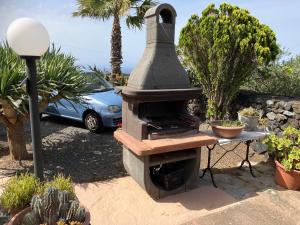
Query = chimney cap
x=165 y=11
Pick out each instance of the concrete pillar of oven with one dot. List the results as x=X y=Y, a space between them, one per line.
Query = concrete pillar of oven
x=139 y=169
x=159 y=67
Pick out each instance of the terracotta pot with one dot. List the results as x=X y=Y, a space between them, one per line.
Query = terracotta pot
x=287 y=179
x=17 y=219
x=226 y=132
x=14 y=212
x=250 y=122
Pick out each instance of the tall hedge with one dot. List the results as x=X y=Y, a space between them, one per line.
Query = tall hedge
x=222 y=48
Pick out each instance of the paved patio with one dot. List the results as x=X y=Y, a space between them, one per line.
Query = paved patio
x=240 y=199
x=122 y=201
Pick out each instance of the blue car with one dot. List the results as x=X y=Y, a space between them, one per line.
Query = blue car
x=101 y=108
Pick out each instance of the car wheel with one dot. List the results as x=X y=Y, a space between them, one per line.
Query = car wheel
x=93 y=122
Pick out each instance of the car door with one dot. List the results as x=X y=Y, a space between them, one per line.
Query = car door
x=69 y=108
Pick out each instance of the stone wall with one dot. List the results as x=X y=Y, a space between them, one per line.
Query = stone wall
x=281 y=111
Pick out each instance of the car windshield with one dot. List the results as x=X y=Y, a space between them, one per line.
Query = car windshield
x=96 y=83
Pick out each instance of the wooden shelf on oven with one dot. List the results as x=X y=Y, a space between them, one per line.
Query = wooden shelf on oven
x=151 y=147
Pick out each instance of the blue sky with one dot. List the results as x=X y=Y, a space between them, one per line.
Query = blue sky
x=89 y=40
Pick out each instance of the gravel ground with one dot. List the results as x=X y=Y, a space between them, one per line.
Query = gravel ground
x=72 y=150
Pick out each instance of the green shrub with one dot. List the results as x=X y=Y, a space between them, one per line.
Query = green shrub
x=222 y=48
x=286 y=148
x=19 y=191
x=276 y=78
x=61 y=183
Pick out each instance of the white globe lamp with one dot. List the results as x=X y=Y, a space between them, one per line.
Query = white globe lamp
x=28 y=37
x=30 y=40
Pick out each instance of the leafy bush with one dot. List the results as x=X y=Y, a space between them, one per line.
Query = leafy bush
x=275 y=79
x=286 y=148
x=222 y=48
x=19 y=191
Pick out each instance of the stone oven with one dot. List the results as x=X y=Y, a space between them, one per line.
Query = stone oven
x=161 y=140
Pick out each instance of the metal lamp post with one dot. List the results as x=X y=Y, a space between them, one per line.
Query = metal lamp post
x=29 y=39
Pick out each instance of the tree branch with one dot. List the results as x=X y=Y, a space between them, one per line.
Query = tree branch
x=8 y=112
x=4 y=120
x=43 y=104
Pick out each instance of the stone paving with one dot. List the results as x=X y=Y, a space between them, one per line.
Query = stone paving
x=239 y=200
x=271 y=207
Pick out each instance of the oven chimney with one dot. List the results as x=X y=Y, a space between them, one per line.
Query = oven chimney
x=159 y=67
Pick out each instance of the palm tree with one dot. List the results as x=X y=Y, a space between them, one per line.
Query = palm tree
x=105 y=9
x=58 y=77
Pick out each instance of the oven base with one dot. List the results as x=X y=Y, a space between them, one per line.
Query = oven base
x=139 y=169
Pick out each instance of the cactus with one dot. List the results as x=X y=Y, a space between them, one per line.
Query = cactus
x=64 y=196
x=63 y=210
x=72 y=211
x=64 y=205
x=51 y=206
x=33 y=200
x=31 y=218
x=80 y=214
x=37 y=206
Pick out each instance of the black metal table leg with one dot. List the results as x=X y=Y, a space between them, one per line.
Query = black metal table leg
x=247 y=157
x=208 y=168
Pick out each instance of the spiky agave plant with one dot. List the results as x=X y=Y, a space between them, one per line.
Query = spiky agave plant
x=58 y=77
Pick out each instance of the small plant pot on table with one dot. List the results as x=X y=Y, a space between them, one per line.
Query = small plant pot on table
x=249 y=117
x=226 y=128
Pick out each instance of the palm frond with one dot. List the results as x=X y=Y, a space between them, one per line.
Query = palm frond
x=96 y=9
x=104 y=9
x=139 y=9
x=57 y=73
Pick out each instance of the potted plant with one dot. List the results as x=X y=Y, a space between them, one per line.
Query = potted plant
x=250 y=117
x=53 y=207
x=263 y=124
x=18 y=193
x=286 y=151
x=227 y=128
